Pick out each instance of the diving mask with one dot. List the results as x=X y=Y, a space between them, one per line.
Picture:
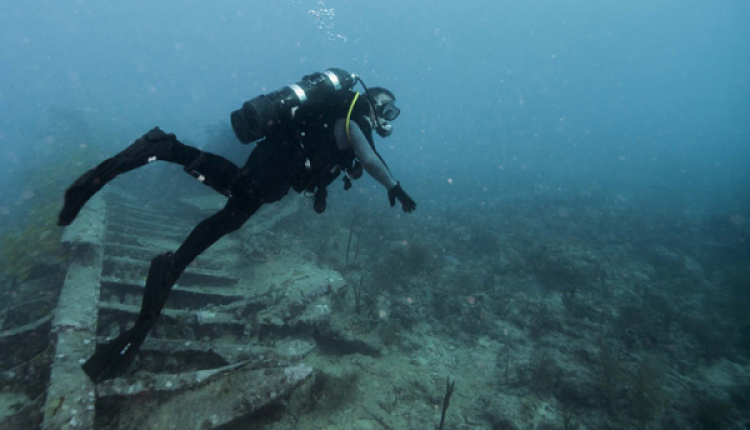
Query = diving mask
x=387 y=110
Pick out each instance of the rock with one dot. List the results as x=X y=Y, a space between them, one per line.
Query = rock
x=211 y=400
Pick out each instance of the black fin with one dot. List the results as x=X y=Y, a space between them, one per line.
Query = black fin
x=114 y=358
x=151 y=146
x=84 y=188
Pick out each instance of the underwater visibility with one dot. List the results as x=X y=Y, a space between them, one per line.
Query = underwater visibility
x=335 y=215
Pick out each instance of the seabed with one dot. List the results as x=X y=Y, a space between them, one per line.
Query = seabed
x=291 y=324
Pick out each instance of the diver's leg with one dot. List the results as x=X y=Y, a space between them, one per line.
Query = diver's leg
x=115 y=357
x=230 y=218
x=167 y=268
x=154 y=145
x=214 y=171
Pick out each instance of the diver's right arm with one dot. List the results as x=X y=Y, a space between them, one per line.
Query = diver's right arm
x=373 y=165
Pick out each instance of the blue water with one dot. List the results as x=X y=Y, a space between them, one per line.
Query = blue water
x=585 y=160
x=645 y=99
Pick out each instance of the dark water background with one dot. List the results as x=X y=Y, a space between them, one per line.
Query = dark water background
x=645 y=100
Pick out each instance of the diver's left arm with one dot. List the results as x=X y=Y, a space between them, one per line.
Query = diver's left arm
x=372 y=164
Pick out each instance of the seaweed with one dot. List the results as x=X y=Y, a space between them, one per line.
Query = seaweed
x=568 y=420
x=711 y=412
x=37 y=243
x=69 y=148
x=542 y=320
x=565 y=267
x=648 y=397
x=330 y=391
x=545 y=374
x=610 y=376
x=390 y=333
x=713 y=336
x=449 y=386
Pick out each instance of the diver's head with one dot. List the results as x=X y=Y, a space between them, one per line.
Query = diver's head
x=385 y=110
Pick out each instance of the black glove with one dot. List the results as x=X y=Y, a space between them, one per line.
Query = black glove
x=407 y=204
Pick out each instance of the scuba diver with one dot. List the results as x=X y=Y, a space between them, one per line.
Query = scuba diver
x=306 y=133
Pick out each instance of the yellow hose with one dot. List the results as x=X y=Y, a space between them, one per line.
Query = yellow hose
x=349 y=115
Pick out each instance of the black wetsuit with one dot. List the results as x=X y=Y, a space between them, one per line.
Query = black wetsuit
x=305 y=159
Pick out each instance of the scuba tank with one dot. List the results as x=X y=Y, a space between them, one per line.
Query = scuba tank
x=262 y=116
